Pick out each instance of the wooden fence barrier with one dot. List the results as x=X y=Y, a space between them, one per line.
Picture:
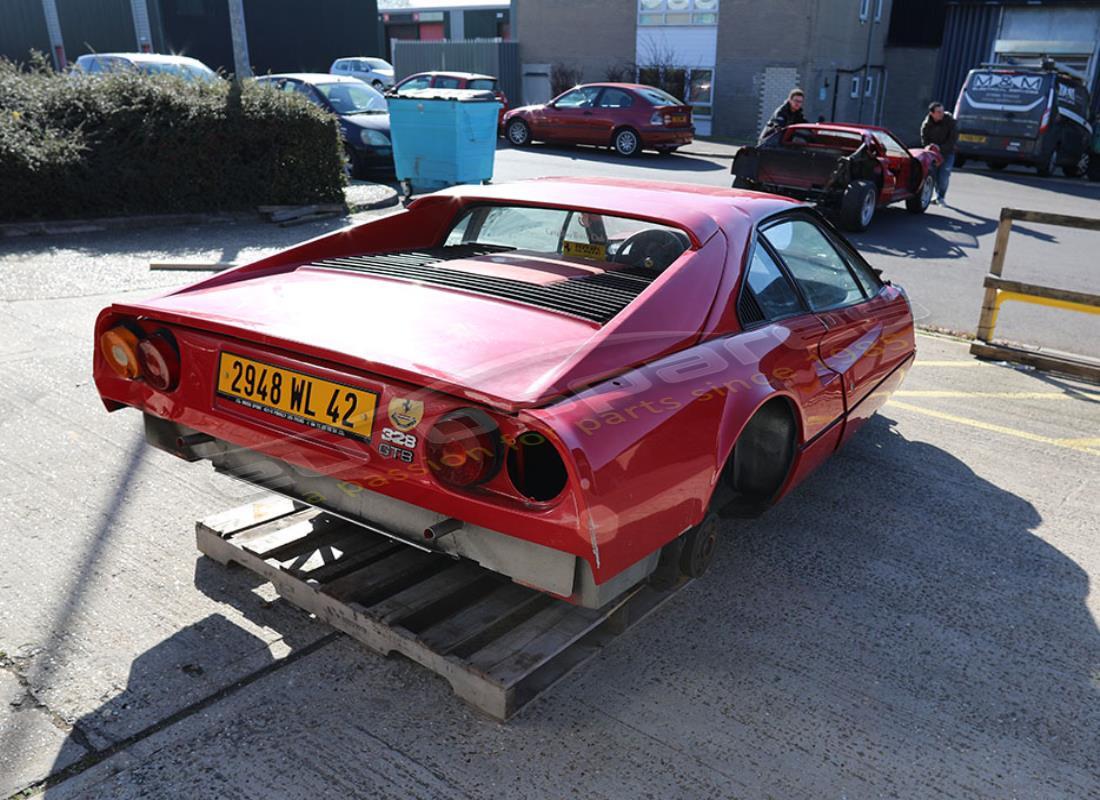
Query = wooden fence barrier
x=999 y=290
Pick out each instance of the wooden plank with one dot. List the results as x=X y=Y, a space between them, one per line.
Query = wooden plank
x=353 y=560
x=1078 y=368
x=1083 y=298
x=987 y=320
x=527 y=646
x=237 y=520
x=324 y=531
x=1047 y=218
x=380 y=574
x=437 y=588
x=329 y=551
x=476 y=618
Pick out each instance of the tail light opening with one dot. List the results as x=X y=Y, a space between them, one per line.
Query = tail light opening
x=536 y=468
x=464 y=448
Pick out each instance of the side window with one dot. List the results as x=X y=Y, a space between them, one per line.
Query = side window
x=817 y=267
x=773 y=292
x=340 y=66
x=446 y=82
x=578 y=98
x=416 y=83
x=615 y=98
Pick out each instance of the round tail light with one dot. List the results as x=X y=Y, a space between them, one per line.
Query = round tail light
x=160 y=361
x=119 y=347
x=464 y=448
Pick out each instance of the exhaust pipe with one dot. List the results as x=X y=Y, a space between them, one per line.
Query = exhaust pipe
x=442 y=528
x=192 y=440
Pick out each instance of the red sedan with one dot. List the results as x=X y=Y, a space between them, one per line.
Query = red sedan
x=628 y=117
x=568 y=381
x=453 y=80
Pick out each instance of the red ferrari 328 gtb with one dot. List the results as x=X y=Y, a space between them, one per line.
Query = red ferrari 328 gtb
x=568 y=381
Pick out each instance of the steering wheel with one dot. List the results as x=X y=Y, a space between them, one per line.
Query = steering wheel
x=653 y=249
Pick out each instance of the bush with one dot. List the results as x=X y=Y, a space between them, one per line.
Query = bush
x=83 y=146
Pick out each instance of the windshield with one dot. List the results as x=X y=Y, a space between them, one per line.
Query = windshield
x=353 y=98
x=572 y=235
x=189 y=72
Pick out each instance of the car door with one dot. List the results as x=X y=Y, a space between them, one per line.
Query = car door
x=610 y=111
x=770 y=306
x=868 y=324
x=899 y=164
x=567 y=118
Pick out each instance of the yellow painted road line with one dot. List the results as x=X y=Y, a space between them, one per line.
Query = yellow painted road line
x=1080 y=445
x=936 y=393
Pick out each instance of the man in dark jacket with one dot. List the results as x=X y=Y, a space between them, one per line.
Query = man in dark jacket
x=790 y=113
x=939 y=128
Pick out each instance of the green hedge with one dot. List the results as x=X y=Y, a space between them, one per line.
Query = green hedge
x=91 y=146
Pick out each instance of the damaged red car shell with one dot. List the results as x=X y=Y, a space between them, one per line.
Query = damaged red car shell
x=644 y=410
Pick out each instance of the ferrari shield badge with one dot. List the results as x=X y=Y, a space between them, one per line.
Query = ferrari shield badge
x=405 y=414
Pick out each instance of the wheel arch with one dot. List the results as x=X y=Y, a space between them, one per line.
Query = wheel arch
x=776 y=414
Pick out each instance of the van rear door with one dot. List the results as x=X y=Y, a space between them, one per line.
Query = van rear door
x=998 y=107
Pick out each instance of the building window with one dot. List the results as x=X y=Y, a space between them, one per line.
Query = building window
x=694 y=86
x=677 y=12
x=878 y=10
x=869 y=86
x=864 y=10
x=855 y=86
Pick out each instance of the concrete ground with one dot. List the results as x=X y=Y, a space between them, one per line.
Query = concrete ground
x=915 y=620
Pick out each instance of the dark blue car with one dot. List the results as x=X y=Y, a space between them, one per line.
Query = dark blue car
x=364 y=119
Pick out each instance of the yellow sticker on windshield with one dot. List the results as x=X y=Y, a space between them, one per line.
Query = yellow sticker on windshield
x=595 y=252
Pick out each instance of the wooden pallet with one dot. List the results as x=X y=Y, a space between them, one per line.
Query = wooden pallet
x=498 y=644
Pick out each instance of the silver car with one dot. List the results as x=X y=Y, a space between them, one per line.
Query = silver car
x=375 y=71
x=190 y=69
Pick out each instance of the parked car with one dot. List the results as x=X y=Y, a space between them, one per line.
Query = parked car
x=364 y=120
x=627 y=117
x=375 y=71
x=454 y=80
x=150 y=63
x=848 y=170
x=568 y=381
x=1036 y=116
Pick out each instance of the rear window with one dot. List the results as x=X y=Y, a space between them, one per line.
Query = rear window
x=482 y=84
x=658 y=97
x=573 y=235
x=1021 y=90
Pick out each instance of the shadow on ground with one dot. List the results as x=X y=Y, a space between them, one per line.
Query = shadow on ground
x=673 y=162
x=897 y=617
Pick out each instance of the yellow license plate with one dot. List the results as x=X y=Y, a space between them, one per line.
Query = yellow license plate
x=972 y=137
x=679 y=119
x=305 y=399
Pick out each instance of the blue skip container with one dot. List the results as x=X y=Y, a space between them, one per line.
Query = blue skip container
x=443 y=137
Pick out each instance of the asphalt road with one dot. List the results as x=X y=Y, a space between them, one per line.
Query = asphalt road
x=915 y=620
x=940 y=257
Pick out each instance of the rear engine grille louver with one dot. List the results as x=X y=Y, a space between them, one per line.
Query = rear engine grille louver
x=596 y=298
